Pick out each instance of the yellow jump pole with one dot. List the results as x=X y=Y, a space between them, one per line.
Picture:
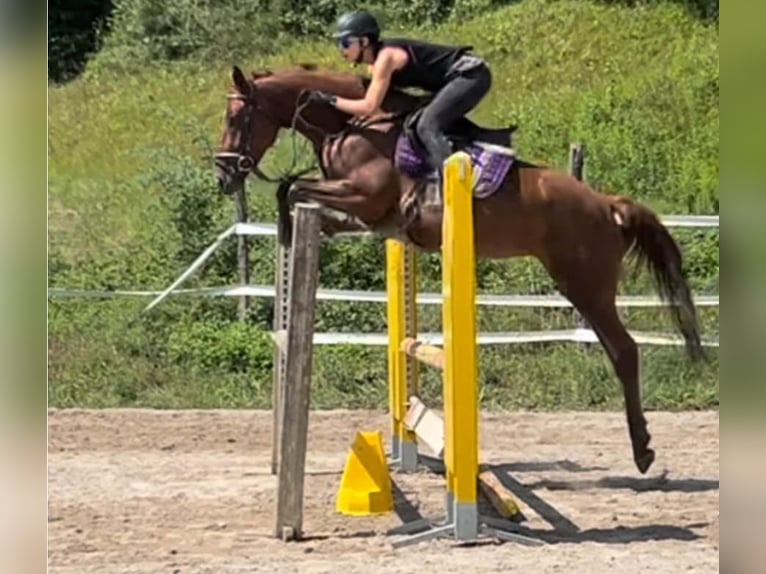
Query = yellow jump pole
x=461 y=453
x=401 y=284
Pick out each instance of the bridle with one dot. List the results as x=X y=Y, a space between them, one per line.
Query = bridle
x=242 y=162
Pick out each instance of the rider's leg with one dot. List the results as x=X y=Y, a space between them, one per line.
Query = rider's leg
x=453 y=102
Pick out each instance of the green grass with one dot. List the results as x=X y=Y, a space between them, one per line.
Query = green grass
x=132 y=201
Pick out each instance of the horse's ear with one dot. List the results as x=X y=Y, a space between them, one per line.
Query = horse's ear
x=240 y=81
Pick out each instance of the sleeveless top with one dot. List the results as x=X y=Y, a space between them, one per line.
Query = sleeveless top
x=429 y=66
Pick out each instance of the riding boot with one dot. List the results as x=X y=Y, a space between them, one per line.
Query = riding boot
x=437 y=146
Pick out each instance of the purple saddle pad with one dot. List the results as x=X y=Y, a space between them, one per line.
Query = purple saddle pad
x=491 y=164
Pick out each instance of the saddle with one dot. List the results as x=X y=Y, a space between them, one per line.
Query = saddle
x=490 y=150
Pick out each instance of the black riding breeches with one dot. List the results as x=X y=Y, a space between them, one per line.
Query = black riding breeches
x=450 y=104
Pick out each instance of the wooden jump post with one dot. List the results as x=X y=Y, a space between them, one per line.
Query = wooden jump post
x=297 y=279
x=458 y=360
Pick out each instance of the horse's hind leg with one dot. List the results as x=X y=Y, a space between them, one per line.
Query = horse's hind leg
x=623 y=353
x=592 y=292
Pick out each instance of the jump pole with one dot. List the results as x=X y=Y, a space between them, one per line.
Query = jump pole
x=460 y=373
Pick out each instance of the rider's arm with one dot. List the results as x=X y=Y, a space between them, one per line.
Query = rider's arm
x=381 y=78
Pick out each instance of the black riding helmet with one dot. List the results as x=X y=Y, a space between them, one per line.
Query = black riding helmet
x=357 y=24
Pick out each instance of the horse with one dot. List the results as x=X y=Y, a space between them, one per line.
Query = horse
x=580 y=235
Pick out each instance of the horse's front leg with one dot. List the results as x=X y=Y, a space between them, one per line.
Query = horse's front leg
x=335 y=197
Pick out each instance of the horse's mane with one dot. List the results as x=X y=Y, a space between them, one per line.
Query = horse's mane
x=266 y=72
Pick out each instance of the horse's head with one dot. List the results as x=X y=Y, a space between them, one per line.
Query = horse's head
x=258 y=108
x=251 y=128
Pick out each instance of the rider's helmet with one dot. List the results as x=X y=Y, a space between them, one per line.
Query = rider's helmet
x=357 y=24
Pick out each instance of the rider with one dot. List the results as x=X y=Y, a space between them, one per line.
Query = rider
x=458 y=78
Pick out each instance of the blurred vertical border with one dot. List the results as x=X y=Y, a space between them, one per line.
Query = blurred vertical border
x=743 y=179
x=23 y=285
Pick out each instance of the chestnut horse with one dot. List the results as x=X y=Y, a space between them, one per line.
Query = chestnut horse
x=580 y=235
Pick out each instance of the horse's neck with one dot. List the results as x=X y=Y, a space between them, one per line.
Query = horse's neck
x=318 y=118
x=343 y=85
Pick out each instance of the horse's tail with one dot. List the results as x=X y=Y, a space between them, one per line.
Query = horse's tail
x=652 y=247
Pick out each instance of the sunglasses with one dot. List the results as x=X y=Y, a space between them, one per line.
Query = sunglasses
x=346 y=41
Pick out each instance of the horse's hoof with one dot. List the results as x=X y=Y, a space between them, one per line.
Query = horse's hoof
x=645 y=461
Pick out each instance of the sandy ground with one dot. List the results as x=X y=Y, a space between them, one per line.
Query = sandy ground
x=182 y=492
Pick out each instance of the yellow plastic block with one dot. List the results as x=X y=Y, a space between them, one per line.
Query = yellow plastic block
x=365 y=487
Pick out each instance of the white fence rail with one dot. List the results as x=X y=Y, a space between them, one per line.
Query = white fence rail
x=270 y=229
x=488 y=300
x=578 y=335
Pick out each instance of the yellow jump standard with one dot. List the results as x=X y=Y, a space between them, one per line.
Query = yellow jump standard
x=459 y=364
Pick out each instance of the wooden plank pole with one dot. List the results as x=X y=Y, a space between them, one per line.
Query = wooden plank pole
x=427 y=425
x=428 y=354
x=498 y=495
x=296 y=383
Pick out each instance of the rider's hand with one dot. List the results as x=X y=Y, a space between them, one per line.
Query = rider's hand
x=322 y=97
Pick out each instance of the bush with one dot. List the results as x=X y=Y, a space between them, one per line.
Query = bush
x=145 y=31
x=222 y=347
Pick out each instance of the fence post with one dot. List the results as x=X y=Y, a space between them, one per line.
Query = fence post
x=281 y=281
x=295 y=382
x=243 y=256
x=577 y=160
x=576 y=169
